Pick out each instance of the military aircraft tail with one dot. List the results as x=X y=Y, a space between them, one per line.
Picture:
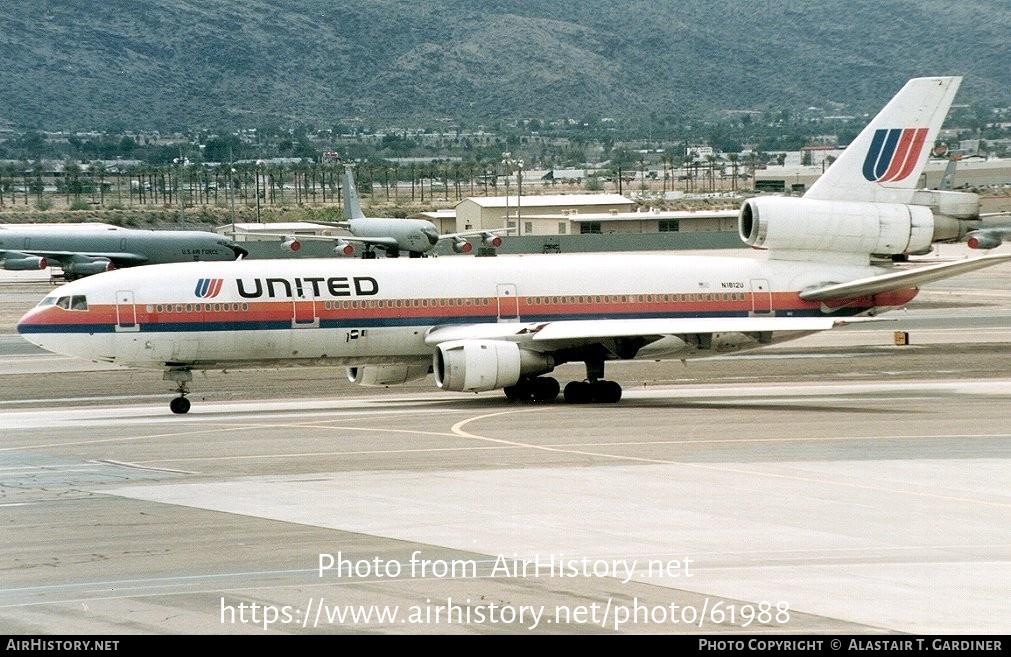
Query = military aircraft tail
x=352 y=203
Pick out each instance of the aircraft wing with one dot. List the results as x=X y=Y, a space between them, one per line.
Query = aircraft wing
x=118 y=258
x=442 y=236
x=899 y=280
x=598 y=329
x=377 y=241
x=485 y=233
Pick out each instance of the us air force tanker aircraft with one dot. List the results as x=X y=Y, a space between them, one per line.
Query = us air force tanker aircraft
x=86 y=249
x=481 y=324
x=394 y=236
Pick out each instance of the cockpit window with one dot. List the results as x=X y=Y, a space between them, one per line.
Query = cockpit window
x=76 y=302
x=48 y=301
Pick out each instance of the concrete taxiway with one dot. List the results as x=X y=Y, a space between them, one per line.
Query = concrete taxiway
x=839 y=484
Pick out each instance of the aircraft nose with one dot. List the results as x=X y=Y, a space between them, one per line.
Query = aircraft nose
x=28 y=327
x=239 y=251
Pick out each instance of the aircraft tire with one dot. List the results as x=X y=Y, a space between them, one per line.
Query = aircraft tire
x=540 y=389
x=592 y=392
x=180 y=405
x=545 y=388
x=577 y=392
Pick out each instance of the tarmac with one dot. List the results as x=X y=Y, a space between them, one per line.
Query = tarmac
x=839 y=484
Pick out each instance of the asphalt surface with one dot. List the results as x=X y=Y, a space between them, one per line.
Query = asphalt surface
x=839 y=484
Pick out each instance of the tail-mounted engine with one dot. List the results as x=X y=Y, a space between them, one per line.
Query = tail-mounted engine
x=800 y=225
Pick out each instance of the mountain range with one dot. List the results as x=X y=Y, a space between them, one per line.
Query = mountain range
x=228 y=64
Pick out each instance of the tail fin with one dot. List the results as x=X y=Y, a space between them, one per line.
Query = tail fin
x=352 y=204
x=884 y=162
x=948 y=179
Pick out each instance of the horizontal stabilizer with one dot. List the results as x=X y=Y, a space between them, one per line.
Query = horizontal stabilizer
x=899 y=280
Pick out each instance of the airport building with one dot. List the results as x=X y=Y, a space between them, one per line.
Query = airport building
x=969 y=172
x=583 y=214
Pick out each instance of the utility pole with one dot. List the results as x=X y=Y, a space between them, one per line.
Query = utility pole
x=258 y=164
x=182 y=163
x=517 y=165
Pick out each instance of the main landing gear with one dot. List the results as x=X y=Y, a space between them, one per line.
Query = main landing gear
x=180 y=405
x=592 y=390
x=545 y=389
x=541 y=389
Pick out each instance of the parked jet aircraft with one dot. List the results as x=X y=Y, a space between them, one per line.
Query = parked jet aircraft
x=393 y=235
x=990 y=237
x=984 y=231
x=85 y=249
x=481 y=324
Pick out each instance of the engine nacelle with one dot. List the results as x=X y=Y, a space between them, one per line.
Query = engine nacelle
x=15 y=262
x=462 y=246
x=491 y=240
x=291 y=244
x=79 y=268
x=387 y=375
x=960 y=205
x=983 y=240
x=344 y=248
x=797 y=224
x=477 y=365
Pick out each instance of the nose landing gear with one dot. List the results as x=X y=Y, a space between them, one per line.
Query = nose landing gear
x=180 y=405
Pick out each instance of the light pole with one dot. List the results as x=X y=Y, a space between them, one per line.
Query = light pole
x=511 y=164
x=519 y=196
x=182 y=163
x=259 y=163
x=231 y=190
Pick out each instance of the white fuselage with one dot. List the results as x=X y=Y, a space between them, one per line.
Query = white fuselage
x=377 y=311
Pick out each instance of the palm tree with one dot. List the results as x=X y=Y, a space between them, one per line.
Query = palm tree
x=98 y=168
x=9 y=170
x=733 y=157
x=72 y=180
x=38 y=185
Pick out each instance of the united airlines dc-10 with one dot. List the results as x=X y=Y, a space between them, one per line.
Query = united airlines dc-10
x=480 y=324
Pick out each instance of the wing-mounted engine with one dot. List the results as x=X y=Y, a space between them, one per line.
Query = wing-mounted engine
x=23 y=262
x=491 y=240
x=86 y=266
x=291 y=244
x=981 y=239
x=343 y=248
x=478 y=365
x=801 y=228
x=387 y=375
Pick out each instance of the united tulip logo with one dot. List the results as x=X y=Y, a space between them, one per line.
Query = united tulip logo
x=208 y=288
x=893 y=153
